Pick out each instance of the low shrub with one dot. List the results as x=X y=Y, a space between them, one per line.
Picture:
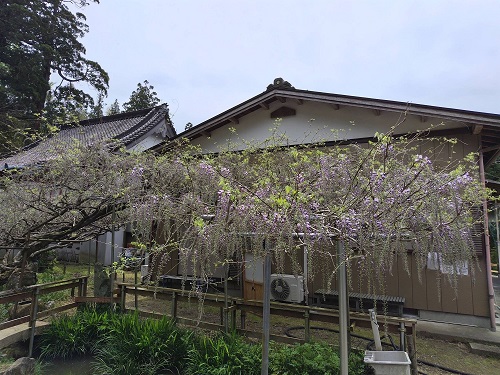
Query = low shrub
x=69 y=336
x=50 y=275
x=141 y=346
x=64 y=338
x=313 y=359
x=308 y=358
x=224 y=355
x=125 y=344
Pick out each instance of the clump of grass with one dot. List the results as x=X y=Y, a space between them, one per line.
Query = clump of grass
x=134 y=346
x=50 y=275
x=69 y=336
x=125 y=344
x=224 y=355
x=312 y=358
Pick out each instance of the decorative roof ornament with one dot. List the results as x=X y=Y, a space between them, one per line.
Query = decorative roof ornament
x=280 y=83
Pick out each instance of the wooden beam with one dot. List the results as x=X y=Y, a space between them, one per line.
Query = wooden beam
x=422 y=118
x=476 y=129
x=206 y=134
x=377 y=112
x=96 y=299
x=264 y=105
x=234 y=120
x=281 y=99
x=335 y=106
x=299 y=101
x=492 y=148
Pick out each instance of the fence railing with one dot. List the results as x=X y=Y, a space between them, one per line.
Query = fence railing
x=229 y=306
x=31 y=295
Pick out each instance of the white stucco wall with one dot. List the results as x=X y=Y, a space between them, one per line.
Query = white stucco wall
x=313 y=122
x=104 y=246
x=148 y=142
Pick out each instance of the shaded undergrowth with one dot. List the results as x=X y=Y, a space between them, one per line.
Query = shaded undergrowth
x=126 y=344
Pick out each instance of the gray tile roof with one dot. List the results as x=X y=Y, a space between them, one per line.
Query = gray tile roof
x=124 y=128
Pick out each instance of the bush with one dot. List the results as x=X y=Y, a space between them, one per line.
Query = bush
x=141 y=346
x=50 y=275
x=224 y=355
x=69 y=336
x=64 y=338
x=125 y=344
x=313 y=359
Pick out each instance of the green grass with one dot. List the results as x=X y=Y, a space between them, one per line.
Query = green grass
x=312 y=358
x=135 y=346
x=224 y=355
x=74 y=335
x=125 y=344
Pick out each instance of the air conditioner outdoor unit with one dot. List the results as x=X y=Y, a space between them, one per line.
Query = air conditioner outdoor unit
x=287 y=288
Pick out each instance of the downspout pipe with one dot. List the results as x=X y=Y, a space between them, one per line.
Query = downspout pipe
x=491 y=292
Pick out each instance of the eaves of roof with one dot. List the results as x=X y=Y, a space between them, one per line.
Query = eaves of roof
x=263 y=100
x=486 y=124
x=124 y=128
x=152 y=118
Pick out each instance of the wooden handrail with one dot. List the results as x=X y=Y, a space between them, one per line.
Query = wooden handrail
x=31 y=293
x=292 y=310
x=50 y=287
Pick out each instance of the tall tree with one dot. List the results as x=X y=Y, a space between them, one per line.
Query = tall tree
x=39 y=38
x=113 y=109
x=143 y=97
x=97 y=110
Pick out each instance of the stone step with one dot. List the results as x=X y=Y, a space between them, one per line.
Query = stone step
x=484 y=350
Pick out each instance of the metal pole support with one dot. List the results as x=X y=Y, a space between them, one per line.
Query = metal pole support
x=266 y=314
x=402 y=341
x=412 y=353
x=343 y=310
x=173 y=307
x=307 y=326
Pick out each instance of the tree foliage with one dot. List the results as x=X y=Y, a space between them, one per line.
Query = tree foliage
x=40 y=38
x=113 y=109
x=70 y=197
x=143 y=97
x=380 y=199
x=493 y=171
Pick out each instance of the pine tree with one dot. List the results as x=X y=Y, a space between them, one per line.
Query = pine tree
x=143 y=97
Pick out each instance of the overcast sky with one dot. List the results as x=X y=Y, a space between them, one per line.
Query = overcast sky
x=204 y=57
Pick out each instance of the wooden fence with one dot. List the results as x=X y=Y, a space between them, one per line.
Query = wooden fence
x=229 y=306
x=31 y=294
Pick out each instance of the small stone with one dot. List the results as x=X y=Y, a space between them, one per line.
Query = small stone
x=23 y=366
